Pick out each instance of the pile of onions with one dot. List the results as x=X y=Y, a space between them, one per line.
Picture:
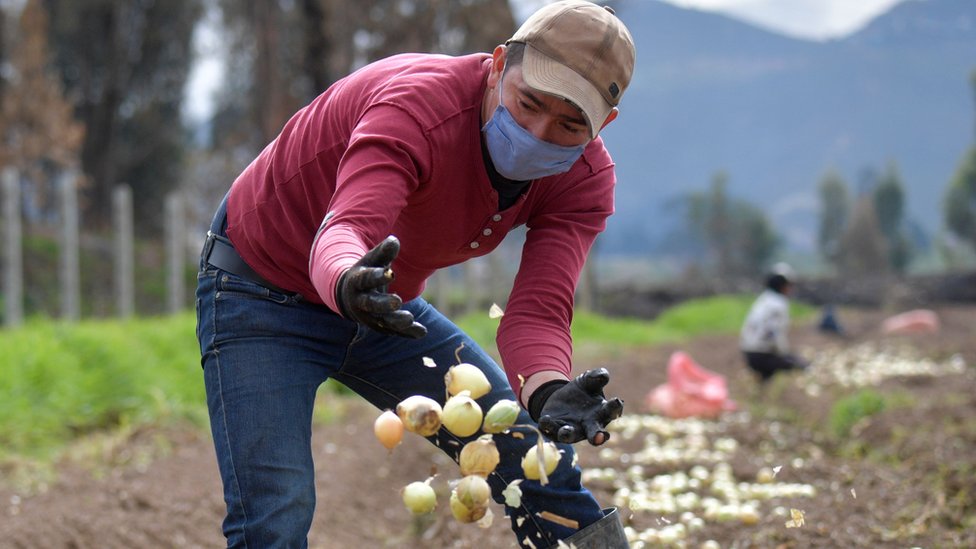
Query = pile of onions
x=462 y=416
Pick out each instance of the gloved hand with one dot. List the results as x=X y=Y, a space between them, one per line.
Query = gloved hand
x=362 y=294
x=576 y=410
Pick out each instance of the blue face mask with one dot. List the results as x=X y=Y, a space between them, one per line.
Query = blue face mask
x=519 y=155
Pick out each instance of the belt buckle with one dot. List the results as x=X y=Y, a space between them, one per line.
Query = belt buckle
x=208 y=246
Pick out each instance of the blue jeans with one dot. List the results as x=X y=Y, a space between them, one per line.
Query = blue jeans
x=264 y=355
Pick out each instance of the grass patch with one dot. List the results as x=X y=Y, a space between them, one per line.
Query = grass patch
x=721 y=314
x=61 y=381
x=850 y=410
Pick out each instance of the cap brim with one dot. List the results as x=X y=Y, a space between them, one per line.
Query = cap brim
x=548 y=75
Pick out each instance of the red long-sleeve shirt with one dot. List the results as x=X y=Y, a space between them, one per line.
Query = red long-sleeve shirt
x=395 y=148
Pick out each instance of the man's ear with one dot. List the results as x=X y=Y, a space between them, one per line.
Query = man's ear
x=610 y=117
x=497 y=66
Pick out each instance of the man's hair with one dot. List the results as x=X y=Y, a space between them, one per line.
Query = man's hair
x=777 y=282
x=514 y=51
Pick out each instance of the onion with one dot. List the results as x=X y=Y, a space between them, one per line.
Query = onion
x=388 y=429
x=463 y=513
x=420 y=415
x=473 y=491
x=462 y=415
x=530 y=462
x=749 y=515
x=501 y=416
x=419 y=497
x=467 y=377
x=479 y=457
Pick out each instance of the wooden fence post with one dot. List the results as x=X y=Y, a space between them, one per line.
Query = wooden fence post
x=175 y=253
x=70 y=264
x=472 y=285
x=124 y=273
x=586 y=287
x=13 y=286
x=442 y=290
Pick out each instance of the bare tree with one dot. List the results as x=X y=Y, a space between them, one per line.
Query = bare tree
x=834 y=211
x=124 y=65
x=274 y=71
x=862 y=247
x=40 y=136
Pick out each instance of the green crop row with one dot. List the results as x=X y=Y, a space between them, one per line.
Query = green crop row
x=59 y=381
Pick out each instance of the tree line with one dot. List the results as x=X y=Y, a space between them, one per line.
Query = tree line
x=98 y=85
x=862 y=232
x=93 y=91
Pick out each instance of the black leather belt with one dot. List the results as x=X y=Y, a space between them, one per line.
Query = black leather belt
x=219 y=252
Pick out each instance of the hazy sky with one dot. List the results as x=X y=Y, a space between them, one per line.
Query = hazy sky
x=814 y=19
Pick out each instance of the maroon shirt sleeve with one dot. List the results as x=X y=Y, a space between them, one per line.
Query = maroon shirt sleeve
x=534 y=334
x=387 y=157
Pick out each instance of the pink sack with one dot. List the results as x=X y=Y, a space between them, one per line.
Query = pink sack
x=691 y=391
x=917 y=321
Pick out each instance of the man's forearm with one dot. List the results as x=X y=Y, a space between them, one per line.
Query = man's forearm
x=536 y=380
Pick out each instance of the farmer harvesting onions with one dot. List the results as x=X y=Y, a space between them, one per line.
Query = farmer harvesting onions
x=317 y=258
x=763 y=338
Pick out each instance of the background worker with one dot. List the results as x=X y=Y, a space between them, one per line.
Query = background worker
x=764 y=336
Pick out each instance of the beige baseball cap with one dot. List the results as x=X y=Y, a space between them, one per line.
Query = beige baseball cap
x=581 y=52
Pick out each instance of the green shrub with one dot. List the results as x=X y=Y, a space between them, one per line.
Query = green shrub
x=689 y=319
x=851 y=409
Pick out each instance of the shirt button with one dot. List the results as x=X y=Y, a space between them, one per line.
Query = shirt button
x=486 y=232
x=474 y=245
x=496 y=217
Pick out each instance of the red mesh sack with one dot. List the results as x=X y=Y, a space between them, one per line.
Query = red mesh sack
x=691 y=391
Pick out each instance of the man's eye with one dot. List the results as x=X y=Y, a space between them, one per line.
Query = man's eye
x=526 y=106
x=572 y=128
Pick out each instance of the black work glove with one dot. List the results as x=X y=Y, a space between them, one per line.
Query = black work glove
x=362 y=294
x=576 y=410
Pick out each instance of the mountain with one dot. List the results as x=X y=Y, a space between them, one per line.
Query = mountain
x=775 y=113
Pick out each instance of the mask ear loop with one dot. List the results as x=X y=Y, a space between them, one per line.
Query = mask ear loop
x=494 y=112
x=501 y=87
